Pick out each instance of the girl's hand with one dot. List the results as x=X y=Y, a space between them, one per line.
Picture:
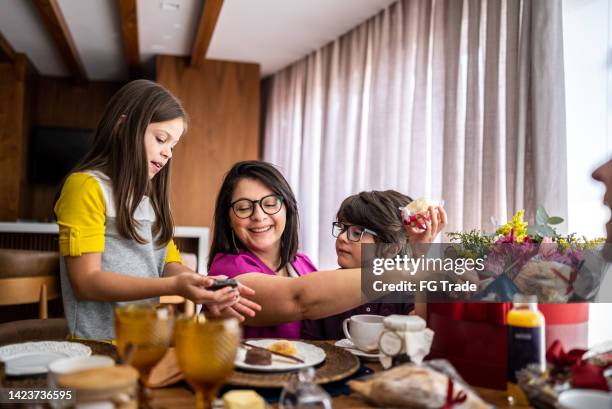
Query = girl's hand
x=193 y=286
x=239 y=307
x=429 y=225
x=226 y=301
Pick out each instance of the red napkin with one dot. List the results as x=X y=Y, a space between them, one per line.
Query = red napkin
x=558 y=357
x=585 y=375
x=589 y=376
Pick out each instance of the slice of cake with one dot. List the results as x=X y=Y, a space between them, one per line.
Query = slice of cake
x=257 y=356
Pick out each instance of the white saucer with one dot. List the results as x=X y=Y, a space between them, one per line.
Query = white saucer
x=349 y=346
x=583 y=398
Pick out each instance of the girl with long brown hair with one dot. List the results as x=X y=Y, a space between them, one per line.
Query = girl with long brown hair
x=115 y=221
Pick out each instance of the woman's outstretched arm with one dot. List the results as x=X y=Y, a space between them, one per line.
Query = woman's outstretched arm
x=313 y=296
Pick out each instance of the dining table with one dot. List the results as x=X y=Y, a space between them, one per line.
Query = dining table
x=177 y=397
x=180 y=396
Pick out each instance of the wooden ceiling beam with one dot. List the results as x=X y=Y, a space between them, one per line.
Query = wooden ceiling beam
x=7 y=54
x=129 y=30
x=58 y=29
x=208 y=20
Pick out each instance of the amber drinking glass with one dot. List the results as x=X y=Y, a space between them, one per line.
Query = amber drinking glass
x=143 y=334
x=206 y=349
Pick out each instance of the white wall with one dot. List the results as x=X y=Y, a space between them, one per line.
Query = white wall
x=587 y=26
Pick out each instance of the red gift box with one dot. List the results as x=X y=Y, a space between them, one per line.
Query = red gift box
x=473 y=336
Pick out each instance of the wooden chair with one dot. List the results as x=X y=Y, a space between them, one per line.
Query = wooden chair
x=28 y=276
x=33 y=330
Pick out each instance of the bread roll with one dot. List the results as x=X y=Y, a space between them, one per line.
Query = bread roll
x=412 y=386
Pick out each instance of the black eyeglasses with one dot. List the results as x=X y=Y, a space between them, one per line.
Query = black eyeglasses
x=353 y=232
x=244 y=208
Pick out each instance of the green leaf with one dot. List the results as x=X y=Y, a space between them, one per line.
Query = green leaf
x=541 y=215
x=547 y=231
x=532 y=231
x=555 y=220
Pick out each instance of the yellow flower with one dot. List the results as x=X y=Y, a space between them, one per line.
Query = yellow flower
x=469 y=254
x=564 y=244
x=517 y=224
x=587 y=244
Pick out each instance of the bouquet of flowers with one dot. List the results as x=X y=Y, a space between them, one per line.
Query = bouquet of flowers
x=534 y=260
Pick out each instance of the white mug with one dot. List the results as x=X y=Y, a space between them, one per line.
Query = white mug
x=365 y=330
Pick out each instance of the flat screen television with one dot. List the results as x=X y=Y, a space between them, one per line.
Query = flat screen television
x=54 y=152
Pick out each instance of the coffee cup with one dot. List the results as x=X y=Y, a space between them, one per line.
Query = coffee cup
x=364 y=331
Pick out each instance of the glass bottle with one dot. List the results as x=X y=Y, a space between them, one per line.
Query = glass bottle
x=302 y=393
x=526 y=344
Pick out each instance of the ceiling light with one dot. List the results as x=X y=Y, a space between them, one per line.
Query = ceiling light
x=169 y=6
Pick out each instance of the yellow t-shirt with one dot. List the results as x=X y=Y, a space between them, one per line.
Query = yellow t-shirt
x=81 y=214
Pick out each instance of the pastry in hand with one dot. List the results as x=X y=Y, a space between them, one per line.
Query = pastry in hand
x=413 y=386
x=418 y=207
x=284 y=347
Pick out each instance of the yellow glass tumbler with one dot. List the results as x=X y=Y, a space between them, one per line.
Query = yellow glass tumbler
x=206 y=350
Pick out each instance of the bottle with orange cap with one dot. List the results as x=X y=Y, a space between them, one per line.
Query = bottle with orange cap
x=526 y=332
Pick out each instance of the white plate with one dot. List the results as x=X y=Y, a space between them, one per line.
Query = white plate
x=585 y=398
x=311 y=355
x=31 y=358
x=349 y=346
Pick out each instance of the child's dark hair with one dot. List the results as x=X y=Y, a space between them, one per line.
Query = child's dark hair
x=118 y=151
x=377 y=211
x=267 y=174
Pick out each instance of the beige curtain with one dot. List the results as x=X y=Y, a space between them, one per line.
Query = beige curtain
x=461 y=100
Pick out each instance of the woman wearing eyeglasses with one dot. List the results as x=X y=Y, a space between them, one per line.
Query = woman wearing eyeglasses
x=255 y=239
x=256 y=230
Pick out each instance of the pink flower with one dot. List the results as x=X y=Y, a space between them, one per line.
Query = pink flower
x=508 y=257
x=547 y=247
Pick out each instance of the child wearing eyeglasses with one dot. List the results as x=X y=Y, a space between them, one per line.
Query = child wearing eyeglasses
x=372 y=217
